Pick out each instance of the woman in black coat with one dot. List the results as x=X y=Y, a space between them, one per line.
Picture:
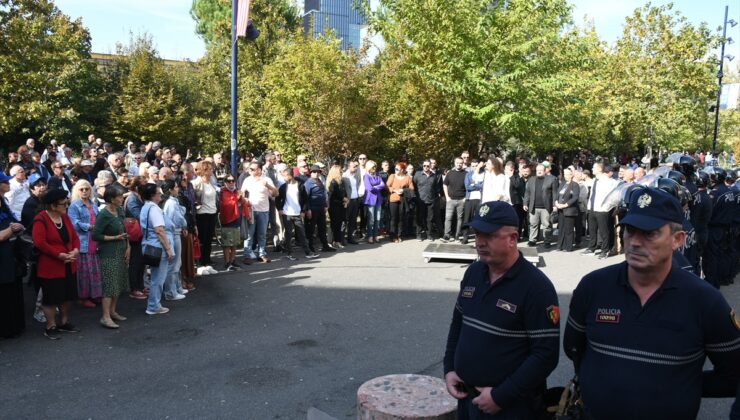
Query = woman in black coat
x=567 y=205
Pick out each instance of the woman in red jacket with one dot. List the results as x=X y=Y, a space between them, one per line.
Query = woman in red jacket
x=58 y=245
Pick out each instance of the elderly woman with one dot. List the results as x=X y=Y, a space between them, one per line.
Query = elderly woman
x=55 y=237
x=110 y=234
x=206 y=209
x=132 y=210
x=158 y=233
x=397 y=183
x=32 y=206
x=374 y=187
x=11 y=285
x=567 y=206
x=82 y=212
x=173 y=289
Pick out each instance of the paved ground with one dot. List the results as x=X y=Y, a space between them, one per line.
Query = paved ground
x=269 y=342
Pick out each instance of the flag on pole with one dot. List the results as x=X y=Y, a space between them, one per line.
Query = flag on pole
x=242 y=17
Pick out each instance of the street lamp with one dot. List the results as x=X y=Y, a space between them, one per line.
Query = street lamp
x=720 y=74
x=306 y=22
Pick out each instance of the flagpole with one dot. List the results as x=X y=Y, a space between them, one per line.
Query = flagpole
x=234 y=46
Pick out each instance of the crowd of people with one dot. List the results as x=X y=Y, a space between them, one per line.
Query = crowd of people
x=164 y=210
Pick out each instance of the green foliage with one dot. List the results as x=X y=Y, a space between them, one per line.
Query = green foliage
x=48 y=87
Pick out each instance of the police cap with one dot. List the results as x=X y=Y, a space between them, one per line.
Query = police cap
x=651 y=209
x=493 y=215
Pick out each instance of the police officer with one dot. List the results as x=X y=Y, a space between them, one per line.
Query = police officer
x=720 y=256
x=701 y=212
x=638 y=332
x=504 y=337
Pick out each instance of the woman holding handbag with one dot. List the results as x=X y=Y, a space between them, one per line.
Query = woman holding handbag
x=157 y=245
x=110 y=234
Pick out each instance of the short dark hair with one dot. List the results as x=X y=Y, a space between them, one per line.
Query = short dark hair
x=112 y=191
x=148 y=191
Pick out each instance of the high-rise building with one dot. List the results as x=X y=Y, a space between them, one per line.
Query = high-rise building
x=342 y=16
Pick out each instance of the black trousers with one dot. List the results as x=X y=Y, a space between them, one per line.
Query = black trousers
x=566 y=226
x=352 y=209
x=293 y=225
x=206 y=231
x=136 y=267
x=336 y=218
x=317 y=223
x=396 y=220
x=471 y=206
x=523 y=220
x=579 y=227
x=426 y=217
x=598 y=226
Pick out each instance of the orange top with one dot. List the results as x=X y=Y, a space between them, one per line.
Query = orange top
x=395 y=183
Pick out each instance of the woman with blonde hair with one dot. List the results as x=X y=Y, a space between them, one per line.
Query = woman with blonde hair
x=397 y=183
x=206 y=209
x=83 y=212
x=337 y=203
x=495 y=182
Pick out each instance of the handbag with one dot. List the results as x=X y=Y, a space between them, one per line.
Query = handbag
x=196 y=247
x=132 y=227
x=151 y=255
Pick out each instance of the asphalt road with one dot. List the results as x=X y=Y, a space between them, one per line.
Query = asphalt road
x=268 y=342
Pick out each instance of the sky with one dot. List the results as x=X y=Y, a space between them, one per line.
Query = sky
x=173 y=30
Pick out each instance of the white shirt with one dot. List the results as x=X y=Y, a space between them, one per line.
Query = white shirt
x=361 y=187
x=258 y=194
x=17 y=196
x=599 y=191
x=353 y=183
x=292 y=205
x=476 y=195
x=133 y=170
x=495 y=188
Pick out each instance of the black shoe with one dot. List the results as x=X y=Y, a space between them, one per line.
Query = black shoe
x=353 y=242
x=68 y=328
x=328 y=248
x=464 y=241
x=587 y=252
x=292 y=258
x=234 y=264
x=603 y=256
x=445 y=238
x=52 y=333
x=547 y=245
x=312 y=256
x=530 y=243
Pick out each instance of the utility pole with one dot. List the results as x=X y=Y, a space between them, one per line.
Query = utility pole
x=719 y=79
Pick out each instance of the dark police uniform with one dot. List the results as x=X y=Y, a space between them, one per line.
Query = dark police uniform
x=638 y=361
x=504 y=335
x=701 y=213
x=720 y=251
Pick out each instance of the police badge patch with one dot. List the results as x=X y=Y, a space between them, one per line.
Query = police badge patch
x=468 y=292
x=735 y=321
x=507 y=306
x=483 y=211
x=553 y=312
x=644 y=201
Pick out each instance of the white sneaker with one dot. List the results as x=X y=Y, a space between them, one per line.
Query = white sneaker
x=183 y=291
x=211 y=270
x=203 y=271
x=160 y=311
x=176 y=297
x=39 y=316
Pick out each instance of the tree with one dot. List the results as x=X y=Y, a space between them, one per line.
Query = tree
x=315 y=100
x=49 y=87
x=149 y=105
x=661 y=82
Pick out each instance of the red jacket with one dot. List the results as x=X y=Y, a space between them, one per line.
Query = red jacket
x=230 y=207
x=49 y=243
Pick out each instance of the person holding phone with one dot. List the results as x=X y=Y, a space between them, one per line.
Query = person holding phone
x=110 y=235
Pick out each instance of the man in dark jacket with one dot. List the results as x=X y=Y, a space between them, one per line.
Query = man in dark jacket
x=292 y=204
x=540 y=195
x=316 y=212
x=516 y=192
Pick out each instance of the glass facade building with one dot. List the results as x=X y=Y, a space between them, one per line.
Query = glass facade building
x=341 y=16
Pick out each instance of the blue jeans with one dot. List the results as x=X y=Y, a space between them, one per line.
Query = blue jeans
x=258 y=229
x=373 y=220
x=158 y=277
x=173 y=284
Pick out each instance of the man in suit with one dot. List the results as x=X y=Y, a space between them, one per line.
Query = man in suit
x=567 y=205
x=540 y=195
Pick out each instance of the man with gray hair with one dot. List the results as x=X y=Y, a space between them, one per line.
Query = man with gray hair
x=19 y=191
x=540 y=195
x=151 y=155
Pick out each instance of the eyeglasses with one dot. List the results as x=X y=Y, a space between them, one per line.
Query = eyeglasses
x=85 y=189
x=57 y=167
x=362 y=158
x=229 y=180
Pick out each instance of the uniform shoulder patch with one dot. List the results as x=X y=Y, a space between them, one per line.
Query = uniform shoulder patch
x=733 y=318
x=468 y=292
x=553 y=312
